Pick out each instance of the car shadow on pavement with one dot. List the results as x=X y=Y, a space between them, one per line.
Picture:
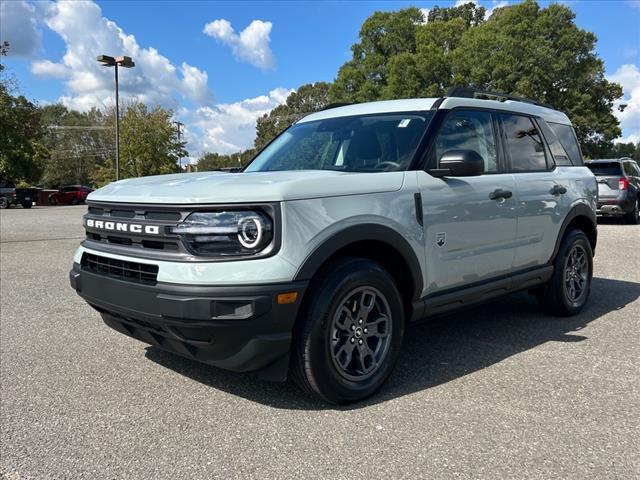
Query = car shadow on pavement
x=437 y=351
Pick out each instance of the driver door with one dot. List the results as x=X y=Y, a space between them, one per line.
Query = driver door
x=469 y=222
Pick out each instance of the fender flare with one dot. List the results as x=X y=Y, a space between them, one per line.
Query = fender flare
x=358 y=233
x=580 y=210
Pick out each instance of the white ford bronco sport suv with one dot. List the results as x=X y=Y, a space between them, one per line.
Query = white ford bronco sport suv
x=354 y=222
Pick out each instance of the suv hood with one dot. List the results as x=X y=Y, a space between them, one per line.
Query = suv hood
x=219 y=187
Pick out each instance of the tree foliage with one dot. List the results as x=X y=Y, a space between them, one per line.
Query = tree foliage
x=216 y=161
x=77 y=143
x=149 y=144
x=522 y=49
x=308 y=98
x=21 y=149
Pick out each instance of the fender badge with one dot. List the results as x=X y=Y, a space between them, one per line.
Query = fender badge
x=441 y=239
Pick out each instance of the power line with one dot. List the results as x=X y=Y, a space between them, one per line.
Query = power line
x=77 y=127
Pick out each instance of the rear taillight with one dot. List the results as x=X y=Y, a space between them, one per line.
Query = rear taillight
x=623 y=184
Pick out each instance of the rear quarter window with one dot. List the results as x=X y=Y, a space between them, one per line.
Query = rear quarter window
x=567 y=137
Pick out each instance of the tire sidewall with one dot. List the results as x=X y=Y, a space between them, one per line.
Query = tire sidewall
x=331 y=384
x=573 y=238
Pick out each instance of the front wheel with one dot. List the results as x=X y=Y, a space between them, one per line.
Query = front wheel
x=568 y=290
x=349 y=333
x=4 y=203
x=52 y=201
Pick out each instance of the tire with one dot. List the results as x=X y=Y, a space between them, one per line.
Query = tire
x=334 y=357
x=633 y=217
x=74 y=201
x=52 y=201
x=26 y=204
x=557 y=297
x=4 y=203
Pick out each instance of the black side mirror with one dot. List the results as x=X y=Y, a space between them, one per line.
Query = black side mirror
x=459 y=163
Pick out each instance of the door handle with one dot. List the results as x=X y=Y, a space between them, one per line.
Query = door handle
x=499 y=193
x=558 y=190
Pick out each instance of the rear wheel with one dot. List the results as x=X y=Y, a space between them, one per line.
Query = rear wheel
x=568 y=290
x=4 y=203
x=52 y=201
x=349 y=332
x=74 y=201
x=633 y=217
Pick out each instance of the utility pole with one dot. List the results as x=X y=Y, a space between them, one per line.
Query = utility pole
x=179 y=126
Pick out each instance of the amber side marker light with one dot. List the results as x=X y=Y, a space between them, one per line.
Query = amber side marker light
x=285 y=298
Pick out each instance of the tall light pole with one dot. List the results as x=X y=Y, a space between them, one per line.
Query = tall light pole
x=125 y=62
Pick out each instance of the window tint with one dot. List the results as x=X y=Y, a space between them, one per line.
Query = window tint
x=524 y=144
x=469 y=130
x=557 y=150
x=569 y=141
x=605 y=169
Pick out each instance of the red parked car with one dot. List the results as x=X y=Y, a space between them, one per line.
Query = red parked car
x=70 y=195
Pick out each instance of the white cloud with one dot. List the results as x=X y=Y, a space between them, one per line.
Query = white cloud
x=87 y=34
x=48 y=68
x=629 y=77
x=251 y=45
x=425 y=14
x=194 y=84
x=230 y=127
x=18 y=26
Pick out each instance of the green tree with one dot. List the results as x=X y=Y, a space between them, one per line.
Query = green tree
x=629 y=149
x=308 y=98
x=77 y=143
x=523 y=49
x=383 y=36
x=149 y=143
x=540 y=53
x=21 y=149
x=215 y=161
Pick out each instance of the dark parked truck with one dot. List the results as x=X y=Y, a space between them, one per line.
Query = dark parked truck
x=10 y=195
x=354 y=222
x=618 y=188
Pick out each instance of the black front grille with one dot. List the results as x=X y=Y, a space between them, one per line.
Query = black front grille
x=161 y=244
x=120 y=269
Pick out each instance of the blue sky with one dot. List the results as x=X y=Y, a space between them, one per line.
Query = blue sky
x=219 y=65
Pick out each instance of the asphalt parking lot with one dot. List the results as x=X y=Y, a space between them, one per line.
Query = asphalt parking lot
x=501 y=391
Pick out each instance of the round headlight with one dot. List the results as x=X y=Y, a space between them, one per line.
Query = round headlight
x=226 y=233
x=250 y=232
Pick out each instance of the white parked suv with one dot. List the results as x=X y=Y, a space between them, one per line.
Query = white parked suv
x=351 y=224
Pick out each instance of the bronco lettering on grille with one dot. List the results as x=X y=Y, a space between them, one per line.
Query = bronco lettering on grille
x=123 y=227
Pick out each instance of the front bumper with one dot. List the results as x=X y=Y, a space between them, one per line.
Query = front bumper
x=240 y=328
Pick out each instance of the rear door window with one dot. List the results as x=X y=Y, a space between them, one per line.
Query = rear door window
x=524 y=144
x=567 y=137
x=605 y=169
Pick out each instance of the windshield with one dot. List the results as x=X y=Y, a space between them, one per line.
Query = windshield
x=368 y=143
x=605 y=169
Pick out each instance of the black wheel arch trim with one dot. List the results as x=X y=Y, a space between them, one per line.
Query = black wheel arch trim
x=580 y=210
x=358 y=233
